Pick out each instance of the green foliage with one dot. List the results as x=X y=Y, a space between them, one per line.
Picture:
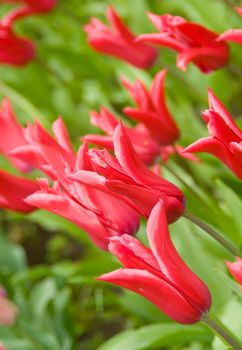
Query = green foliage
x=61 y=305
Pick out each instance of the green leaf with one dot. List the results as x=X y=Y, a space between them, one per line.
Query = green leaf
x=12 y=256
x=156 y=336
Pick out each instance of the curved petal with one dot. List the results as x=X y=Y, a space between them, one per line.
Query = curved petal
x=118 y=24
x=158 y=291
x=13 y=191
x=217 y=106
x=99 y=140
x=11 y=135
x=218 y=128
x=139 y=94
x=105 y=120
x=234 y=35
x=157 y=127
x=15 y=50
x=62 y=135
x=235 y=269
x=158 y=97
x=171 y=264
x=59 y=204
x=162 y=40
x=206 y=58
x=135 y=168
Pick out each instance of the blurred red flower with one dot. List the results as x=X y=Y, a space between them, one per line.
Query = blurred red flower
x=118 y=41
x=192 y=41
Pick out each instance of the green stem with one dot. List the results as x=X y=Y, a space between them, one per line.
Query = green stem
x=186 y=166
x=234 y=70
x=222 y=332
x=217 y=236
x=23 y=103
x=196 y=194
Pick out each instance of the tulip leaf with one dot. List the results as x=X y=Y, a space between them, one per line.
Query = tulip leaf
x=155 y=336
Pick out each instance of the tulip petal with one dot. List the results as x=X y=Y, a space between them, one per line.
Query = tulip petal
x=234 y=35
x=135 y=168
x=61 y=205
x=62 y=135
x=105 y=120
x=158 y=97
x=206 y=58
x=217 y=106
x=159 y=292
x=118 y=25
x=13 y=191
x=99 y=140
x=161 y=39
x=235 y=269
x=170 y=262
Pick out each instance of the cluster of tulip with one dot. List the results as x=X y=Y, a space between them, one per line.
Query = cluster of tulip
x=105 y=193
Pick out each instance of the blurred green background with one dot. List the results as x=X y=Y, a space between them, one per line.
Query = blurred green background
x=47 y=265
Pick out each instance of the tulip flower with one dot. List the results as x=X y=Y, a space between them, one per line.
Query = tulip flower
x=159 y=274
x=235 y=269
x=119 y=41
x=152 y=110
x=85 y=206
x=88 y=208
x=234 y=35
x=147 y=148
x=15 y=50
x=11 y=135
x=192 y=41
x=8 y=310
x=13 y=190
x=128 y=176
x=225 y=140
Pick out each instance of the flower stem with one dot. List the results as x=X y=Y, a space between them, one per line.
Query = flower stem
x=222 y=332
x=196 y=194
x=217 y=236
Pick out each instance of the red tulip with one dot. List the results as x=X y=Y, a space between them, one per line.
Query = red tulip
x=152 y=110
x=13 y=190
x=234 y=35
x=131 y=179
x=192 y=41
x=118 y=41
x=85 y=206
x=225 y=140
x=235 y=269
x=15 y=50
x=159 y=274
x=147 y=149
